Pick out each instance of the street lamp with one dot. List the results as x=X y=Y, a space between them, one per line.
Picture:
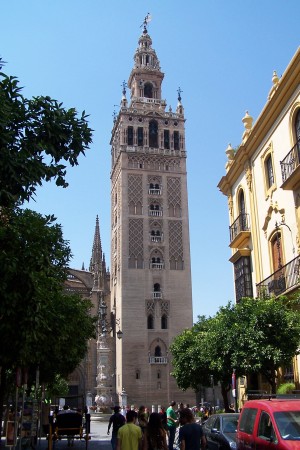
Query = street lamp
x=104 y=326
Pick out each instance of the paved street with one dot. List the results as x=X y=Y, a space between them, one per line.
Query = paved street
x=99 y=440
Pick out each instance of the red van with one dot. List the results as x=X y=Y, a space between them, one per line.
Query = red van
x=269 y=424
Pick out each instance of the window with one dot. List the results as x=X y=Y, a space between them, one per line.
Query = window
x=150 y=322
x=176 y=140
x=297 y=127
x=269 y=172
x=242 y=207
x=247 y=420
x=265 y=427
x=153 y=134
x=166 y=139
x=276 y=249
x=243 y=278
x=157 y=351
x=140 y=137
x=137 y=375
x=130 y=135
x=164 y=322
x=148 y=90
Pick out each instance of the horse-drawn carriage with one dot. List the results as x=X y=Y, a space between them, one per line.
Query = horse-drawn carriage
x=70 y=425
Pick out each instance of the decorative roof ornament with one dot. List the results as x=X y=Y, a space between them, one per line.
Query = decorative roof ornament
x=145 y=22
x=230 y=157
x=247 y=121
x=124 y=99
x=179 y=108
x=275 y=81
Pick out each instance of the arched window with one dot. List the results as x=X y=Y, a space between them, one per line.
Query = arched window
x=276 y=250
x=164 y=322
x=269 y=171
x=148 y=90
x=130 y=135
x=243 y=225
x=297 y=127
x=156 y=287
x=150 y=322
x=153 y=134
x=157 y=351
x=242 y=207
x=176 y=140
x=140 y=137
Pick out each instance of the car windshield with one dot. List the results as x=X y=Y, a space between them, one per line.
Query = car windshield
x=230 y=424
x=288 y=424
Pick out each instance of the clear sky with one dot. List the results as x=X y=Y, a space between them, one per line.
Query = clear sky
x=221 y=53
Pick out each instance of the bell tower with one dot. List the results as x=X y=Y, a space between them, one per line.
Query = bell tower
x=150 y=248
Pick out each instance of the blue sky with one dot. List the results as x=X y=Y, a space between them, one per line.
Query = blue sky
x=221 y=53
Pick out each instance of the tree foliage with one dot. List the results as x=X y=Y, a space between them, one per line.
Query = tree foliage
x=256 y=335
x=37 y=138
x=38 y=320
x=40 y=324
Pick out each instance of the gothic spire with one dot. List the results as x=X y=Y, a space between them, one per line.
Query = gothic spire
x=96 y=259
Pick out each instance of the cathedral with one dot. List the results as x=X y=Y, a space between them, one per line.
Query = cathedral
x=146 y=298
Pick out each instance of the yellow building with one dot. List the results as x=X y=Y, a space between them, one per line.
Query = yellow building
x=262 y=184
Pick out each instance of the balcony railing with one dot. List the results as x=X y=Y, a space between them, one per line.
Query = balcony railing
x=285 y=278
x=157 y=266
x=156 y=294
x=156 y=238
x=290 y=162
x=155 y=212
x=158 y=360
x=154 y=192
x=239 y=225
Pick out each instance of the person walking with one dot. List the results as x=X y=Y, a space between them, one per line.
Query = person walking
x=130 y=435
x=155 y=436
x=191 y=436
x=172 y=423
x=116 y=420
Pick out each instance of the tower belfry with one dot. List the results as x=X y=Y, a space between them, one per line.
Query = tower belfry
x=150 y=249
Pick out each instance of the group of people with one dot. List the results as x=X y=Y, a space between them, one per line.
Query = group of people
x=156 y=431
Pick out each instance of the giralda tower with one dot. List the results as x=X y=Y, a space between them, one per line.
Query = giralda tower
x=151 y=295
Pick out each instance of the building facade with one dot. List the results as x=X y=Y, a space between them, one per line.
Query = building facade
x=262 y=184
x=151 y=295
x=146 y=300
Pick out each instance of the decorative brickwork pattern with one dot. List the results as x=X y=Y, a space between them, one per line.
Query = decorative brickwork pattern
x=136 y=247
x=174 y=191
x=175 y=240
x=164 y=307
x=152 y=162
x=150 y=307
x=135 y=189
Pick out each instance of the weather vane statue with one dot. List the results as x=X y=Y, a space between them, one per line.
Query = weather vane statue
x=146 y=21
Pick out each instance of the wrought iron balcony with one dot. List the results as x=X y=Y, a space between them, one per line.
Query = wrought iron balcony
x=156 y=265
x=156 y=239
x=290 y=168
x=158 y=360
x=154 y=191
x=284 y=279
x=239 y=230
x=155 y=212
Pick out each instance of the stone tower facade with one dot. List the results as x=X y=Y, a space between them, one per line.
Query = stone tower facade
x=151 y=296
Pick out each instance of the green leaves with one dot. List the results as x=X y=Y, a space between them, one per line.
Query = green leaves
x=256 y=335
x=35 y=137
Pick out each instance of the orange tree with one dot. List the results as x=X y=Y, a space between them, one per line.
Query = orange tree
x=254 y=336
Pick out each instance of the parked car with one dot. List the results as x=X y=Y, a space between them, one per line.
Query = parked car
x=269 y=424
x=220 y=431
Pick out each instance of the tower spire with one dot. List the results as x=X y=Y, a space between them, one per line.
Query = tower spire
x=96 y=258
